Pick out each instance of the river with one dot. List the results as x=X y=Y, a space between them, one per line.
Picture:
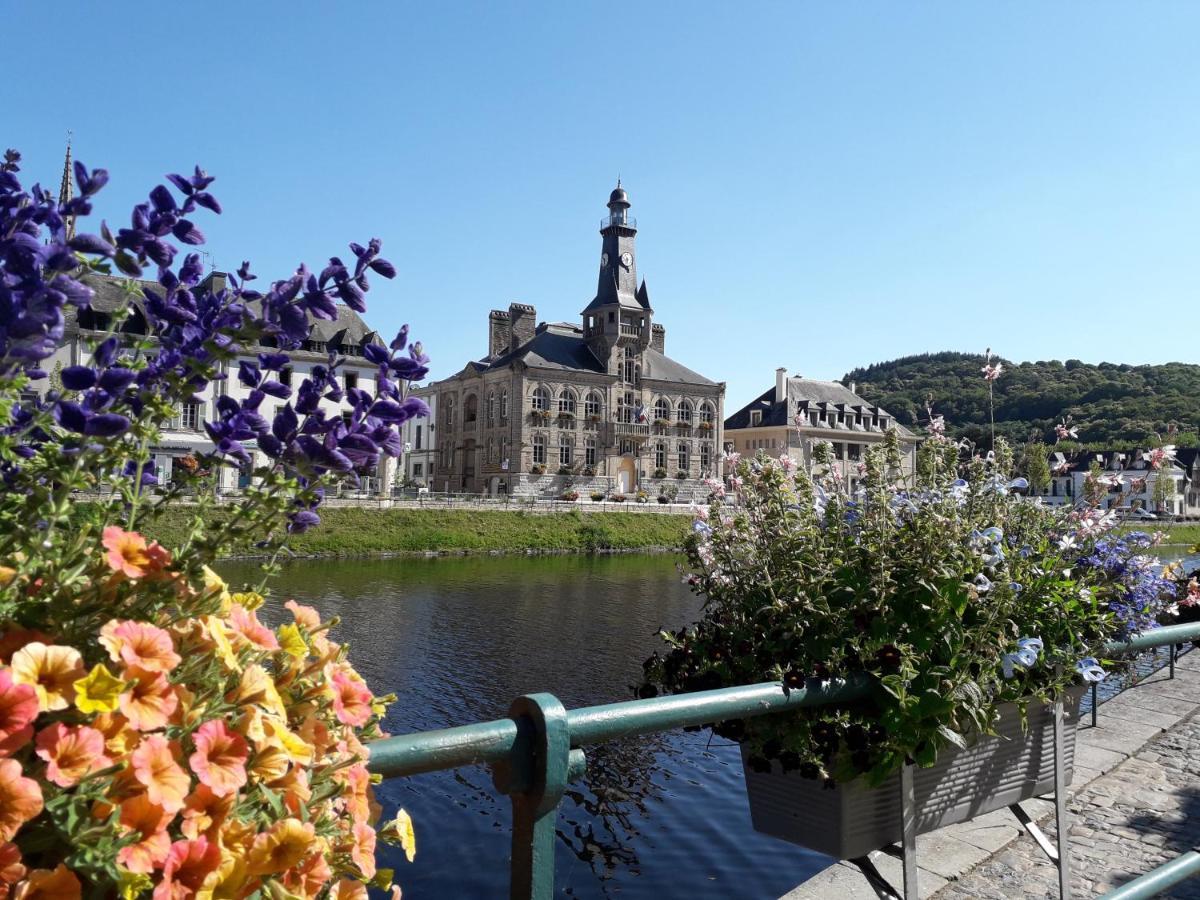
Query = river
x=457 y=638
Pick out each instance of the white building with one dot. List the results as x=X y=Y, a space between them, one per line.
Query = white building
x=1129 y=482
x=185 y=437
x=418 y=466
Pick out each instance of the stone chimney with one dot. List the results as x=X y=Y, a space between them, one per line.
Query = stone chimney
x=658 y=338
x=780 y=385
x=499 y=332
x=523 y=324
x=853 y=387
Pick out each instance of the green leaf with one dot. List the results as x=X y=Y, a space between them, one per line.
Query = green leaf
x=952 y=736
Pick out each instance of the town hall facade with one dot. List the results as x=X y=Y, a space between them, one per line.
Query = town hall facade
x=598 y=407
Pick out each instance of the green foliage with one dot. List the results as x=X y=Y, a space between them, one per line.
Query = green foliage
x=1109 y=404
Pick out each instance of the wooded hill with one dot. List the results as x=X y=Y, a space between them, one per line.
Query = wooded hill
x=1109 y=404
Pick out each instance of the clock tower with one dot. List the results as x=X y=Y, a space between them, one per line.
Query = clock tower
x=620 y=315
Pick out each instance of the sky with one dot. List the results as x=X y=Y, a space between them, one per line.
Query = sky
x=818 y=186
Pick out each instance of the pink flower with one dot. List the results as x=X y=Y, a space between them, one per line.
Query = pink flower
x=18 y=709
x=71 y=752
x=139 y=644
x=991 y=373
x=188 y=865
x=220 y=758
x=351 y=699
x=245 y=623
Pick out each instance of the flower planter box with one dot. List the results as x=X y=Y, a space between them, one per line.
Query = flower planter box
x=851 y=819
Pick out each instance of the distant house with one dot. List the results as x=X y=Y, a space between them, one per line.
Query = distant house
x=420 y=456
x=797 y=413
x=1132 y=482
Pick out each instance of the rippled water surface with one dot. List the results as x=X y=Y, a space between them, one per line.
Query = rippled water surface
x=456 y=639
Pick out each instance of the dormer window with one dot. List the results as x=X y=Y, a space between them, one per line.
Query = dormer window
x=755 y=417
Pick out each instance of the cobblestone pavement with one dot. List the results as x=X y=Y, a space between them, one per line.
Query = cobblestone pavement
x=1134 y=804
x=1140 y=815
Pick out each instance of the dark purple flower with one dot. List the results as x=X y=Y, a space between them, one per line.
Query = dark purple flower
x=78 y=378
x=106 y=425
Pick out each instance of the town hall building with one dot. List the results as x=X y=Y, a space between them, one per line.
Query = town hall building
x=594 y=407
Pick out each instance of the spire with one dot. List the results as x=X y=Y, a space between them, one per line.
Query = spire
x=66 y=190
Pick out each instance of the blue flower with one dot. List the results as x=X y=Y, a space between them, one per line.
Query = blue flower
x=1089 y=669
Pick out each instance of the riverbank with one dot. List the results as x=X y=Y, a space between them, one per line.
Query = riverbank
x=356 y=531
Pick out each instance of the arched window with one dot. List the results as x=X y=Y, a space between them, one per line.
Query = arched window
x=504 y=405
x=662 y=410
x=591 y=405
x=539 y=449
x=470 y=409
x=707 y=413
x=683 y=457
x=491 y=408
x=566 y=401
x=541 y=400
x=448 y=406
x=660 y=456
x=685 y=411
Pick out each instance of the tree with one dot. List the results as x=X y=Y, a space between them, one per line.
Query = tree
x=1035 y=466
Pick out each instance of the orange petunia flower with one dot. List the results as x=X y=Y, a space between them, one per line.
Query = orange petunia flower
x=44 y=884
x=20 y=799
x=346 y=889
x=51 y=670
x=188 y=865
x=71 y=752
x=258 y=689
x=362 y=852
x=355 y=795
x=351 y=699
x=155 y=767
x=119 y=738
x=129 y=554
x=245 y=625
x=150 y=821
x=11 y=869
x=139 y=644
x=204 y=813
x=150 y=701
x=304 y=615
x=280 y=847
x=312 y=874
x=269 y=765
x=220 y=757
x=18 y=709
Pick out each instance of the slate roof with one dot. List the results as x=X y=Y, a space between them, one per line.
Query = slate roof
x=560 y=347
x=1081 y=460
x=828 y=395
x=347 y=330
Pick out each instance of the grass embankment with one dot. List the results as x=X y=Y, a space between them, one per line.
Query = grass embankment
x=349 y=531
x=1185 y=534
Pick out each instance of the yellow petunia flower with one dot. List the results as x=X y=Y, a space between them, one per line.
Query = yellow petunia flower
x=251 y=600
x=132 y=884
x=399 y=832
x=214 y=584
x=98 y=691
x=292 y=642
x=52 y=670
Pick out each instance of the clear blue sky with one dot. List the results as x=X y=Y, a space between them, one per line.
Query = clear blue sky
x=818 y=186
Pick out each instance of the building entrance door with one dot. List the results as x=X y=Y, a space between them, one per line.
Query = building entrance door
x=626 y=477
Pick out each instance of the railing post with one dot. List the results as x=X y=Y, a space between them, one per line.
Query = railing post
x=535 y=778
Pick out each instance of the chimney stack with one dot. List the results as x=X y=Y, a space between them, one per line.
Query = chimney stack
x=780 y=384
x=853 y=387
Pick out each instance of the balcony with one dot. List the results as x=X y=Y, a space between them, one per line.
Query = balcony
x=631 y=429
x=626 y=221
x=630 y=330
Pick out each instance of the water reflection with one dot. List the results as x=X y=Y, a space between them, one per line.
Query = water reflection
x=457 y=639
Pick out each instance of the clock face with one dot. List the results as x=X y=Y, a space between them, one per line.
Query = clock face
x=627 y=259
x=604 y=260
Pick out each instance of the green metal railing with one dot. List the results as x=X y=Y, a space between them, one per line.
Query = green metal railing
x=539 y=749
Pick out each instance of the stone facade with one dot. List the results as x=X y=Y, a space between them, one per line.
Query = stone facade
x=594 y=408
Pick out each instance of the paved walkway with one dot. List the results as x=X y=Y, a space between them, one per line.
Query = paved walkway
x=1135 y=804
